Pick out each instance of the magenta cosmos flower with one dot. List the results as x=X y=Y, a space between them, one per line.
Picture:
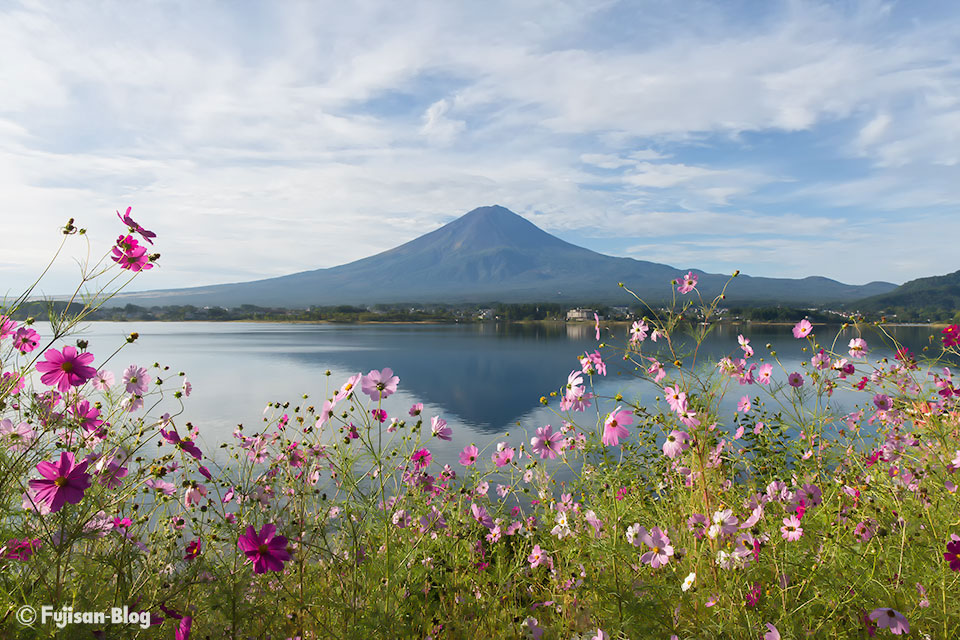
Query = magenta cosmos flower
x=130 y=255
x=133 y=226
x=439 y=428
x=265 y=549
x=26 y=340
x=62 y=482
x=802 y=329
x=890 y=619
x=546 y=443
x=66 y=369
x=379 y=384
x=615 y=426
x=952 y=555
x=676 y=443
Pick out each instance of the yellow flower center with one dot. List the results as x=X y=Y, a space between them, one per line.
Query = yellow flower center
x=61 y=481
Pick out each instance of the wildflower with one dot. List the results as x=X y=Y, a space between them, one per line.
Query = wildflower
x=753 y=596
x=562 y=528
x=795 y=380
x=379 y=415
x=439 y=428
x=857 y=348
x=656 y=370
x=379 y=384
x=638 y=332
x=676 y=399
x=16 y=549
x=503 y=455
x=25 y=340
x=745 y=345
x=688 y=581
x=103 y=380
x=546 y=443
x=264 y=548
x=676 y=443
x=532 y=628
x=688 y=284
x=130 y=255
x=744 y=405
x=615 y=426
x=160 y=485
x=192 y=550
x=882 y=402
x=537 y=557
x=600 y=635
x=951 y=336
x=660 y=548
x=479 y=513
x=65 y=369
x=186 y=444
x=421 y=459
x=765 y=374
x=416 y=409
x=136 y=379
x=592 y=363
x=791 y=528
x=596 y=325
x=18 y=437
x=7 y=326
x=890 y=619
x=62 y=482
x=772 y=633
x=724 y=522
x=134 y=227
x=952 y=554
x=469 y=455
x=821 y=360
x=802 y=329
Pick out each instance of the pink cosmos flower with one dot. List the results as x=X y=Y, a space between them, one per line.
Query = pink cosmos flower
x=193 y=495
x=745 y=345
x=765 y=374
x=883 y=402
x=724 y=523
x=439 y=428
x=795 y=380
x=689 y=282
x=25 y=340
x=479 y=513
x=656 y=370
x=890 y=619
x=744 y=405
x=7 y=326
x=103 y=380
x=503 y=455
x=66 y=369
x=18 y=437
x=163 y=486
x=416 y=409
x=676 y=399
x=676 y=443
x=21 y=550
x=802 y=329
x=772 y=633
x=62 y=482
x=136 y=379
x=264 y=548
x=660 y=548
x=592 y=363
x=134 y=227
x=546 y=443
x=469 y=455
x=186 y=444
x=638 y=332
x=615 y=426
x=379 y=384
x=596 y=325
x=537 y=557
x=858 y=348
x=821 y=360
x=791 y=529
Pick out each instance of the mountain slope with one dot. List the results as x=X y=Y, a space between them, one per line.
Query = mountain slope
x=935 y=292
x=492 y=254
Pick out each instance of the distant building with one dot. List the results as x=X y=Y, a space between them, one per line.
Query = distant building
x=485 y=314
x=581 y=314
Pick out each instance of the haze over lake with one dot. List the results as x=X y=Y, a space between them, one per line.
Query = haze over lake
x=482 y=378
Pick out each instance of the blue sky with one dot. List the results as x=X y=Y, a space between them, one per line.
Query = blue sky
x=259 y=139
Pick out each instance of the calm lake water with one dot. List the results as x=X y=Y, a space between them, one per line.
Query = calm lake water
x=483 y=379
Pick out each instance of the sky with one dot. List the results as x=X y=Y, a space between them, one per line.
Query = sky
x=781 y=138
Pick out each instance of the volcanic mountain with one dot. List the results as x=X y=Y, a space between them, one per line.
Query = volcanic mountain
x=493 y=255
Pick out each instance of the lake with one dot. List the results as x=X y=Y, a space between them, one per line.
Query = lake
x=483 y=379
